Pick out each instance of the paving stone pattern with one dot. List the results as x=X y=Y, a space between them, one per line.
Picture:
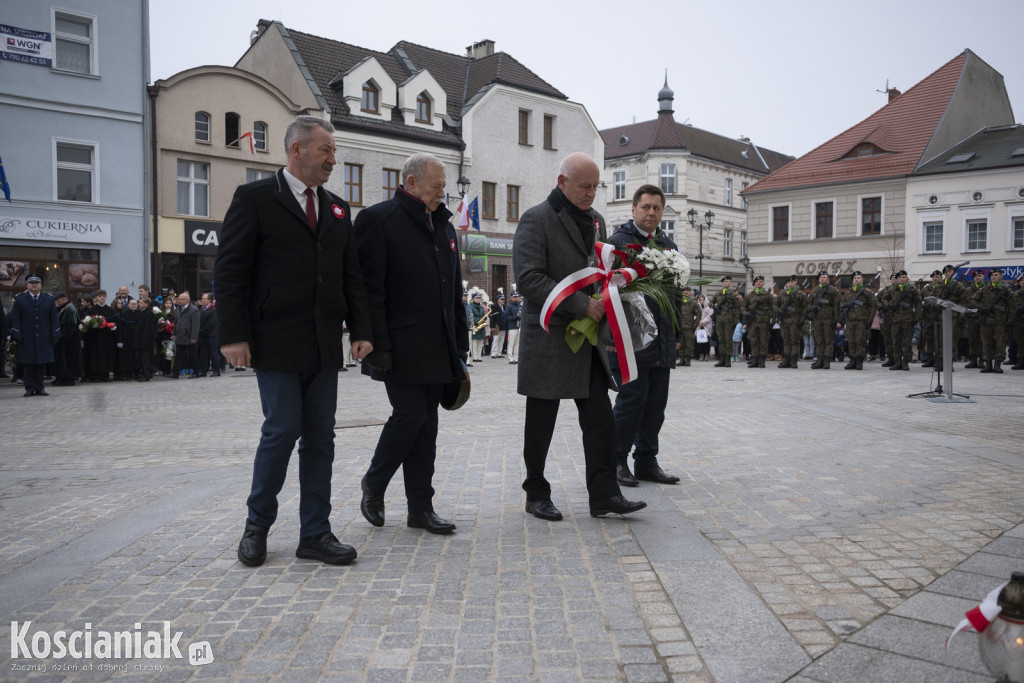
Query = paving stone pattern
x=827 y=528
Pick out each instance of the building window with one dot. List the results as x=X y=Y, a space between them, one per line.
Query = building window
x=933 y=234
x=259 y=136
x=727 y=243
x=823 y=226
x=389 y=182
x=780 y=223
x=354 y=184
x=202 y=126
x=76 y=169
x=488 y=192
x=977 y=235
x=73 y=37
x=549 y=132
x=231 y=129
x=669 y=228
x=370 y=102
x=728 y=191
x=618 y=185
x=1017 y=234
x=524 y=127
x=871 y=216
x=512 y=210
x=423 y=108
x=254 y=174
x=743 y=243
x=668 y=178
x=193 y=188
x=743 y=200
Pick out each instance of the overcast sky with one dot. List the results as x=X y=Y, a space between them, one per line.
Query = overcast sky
x=788 y=74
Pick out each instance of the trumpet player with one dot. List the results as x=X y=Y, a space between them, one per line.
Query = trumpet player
x=479 y=316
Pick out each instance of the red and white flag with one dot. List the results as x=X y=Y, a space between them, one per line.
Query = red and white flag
x=463 y=212
x=252 y=145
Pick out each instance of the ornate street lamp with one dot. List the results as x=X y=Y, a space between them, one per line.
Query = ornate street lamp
x=463 y=186
x=745 y=262
x=692 y=219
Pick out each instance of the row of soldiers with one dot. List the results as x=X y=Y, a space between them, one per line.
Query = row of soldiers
x=901 y=306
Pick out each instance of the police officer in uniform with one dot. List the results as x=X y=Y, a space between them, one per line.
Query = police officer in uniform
x=689 y=315
x=857 y=313
x=905 y=311
x=792 y=310
x=823 y=310
x=994 y=307
x=759 y=309
x=36 y=328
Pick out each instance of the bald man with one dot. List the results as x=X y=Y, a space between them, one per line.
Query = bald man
x=553 y=240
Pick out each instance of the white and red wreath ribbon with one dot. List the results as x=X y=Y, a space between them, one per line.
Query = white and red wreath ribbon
x=981 y=616
x=612 y=279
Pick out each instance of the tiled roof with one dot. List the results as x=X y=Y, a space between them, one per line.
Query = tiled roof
x=989 y=148
x=663 y=133
x=902 y=129
x=461 y=77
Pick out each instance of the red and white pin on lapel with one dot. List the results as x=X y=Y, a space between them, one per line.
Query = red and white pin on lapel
x=338 y=211
x=451 y=245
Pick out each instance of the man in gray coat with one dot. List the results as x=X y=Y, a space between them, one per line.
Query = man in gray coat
x=186 y=337
x=555 y=239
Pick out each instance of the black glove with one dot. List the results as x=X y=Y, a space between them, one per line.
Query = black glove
x=381 y=360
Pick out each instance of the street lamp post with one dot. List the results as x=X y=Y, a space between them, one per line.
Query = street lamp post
x=463 y=186
x=745 y=262
x=692 y=219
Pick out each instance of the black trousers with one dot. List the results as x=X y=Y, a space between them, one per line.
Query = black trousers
x=598 y=425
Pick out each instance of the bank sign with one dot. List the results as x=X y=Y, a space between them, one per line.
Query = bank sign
x=27 y=46
x=54 y=230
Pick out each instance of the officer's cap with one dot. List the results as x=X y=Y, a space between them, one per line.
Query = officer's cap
x=33 y=278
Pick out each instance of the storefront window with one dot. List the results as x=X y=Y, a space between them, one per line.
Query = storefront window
x=75 y=271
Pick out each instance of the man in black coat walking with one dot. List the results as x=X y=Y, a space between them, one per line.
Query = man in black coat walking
x=408 y=245
x=287 y=277
x=640 y=405
x=36 y=328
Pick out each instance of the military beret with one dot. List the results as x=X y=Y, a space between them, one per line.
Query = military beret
x=686 y=288
x=791 y=278
x=935 y=272
x=902 y=272
x=977 y=272
x=822 y=272
x=857 y=272
x=995 y=270
x=33 y=278
x=726 y=277
x=948 y=266
x=759 y=278
x=893 y=276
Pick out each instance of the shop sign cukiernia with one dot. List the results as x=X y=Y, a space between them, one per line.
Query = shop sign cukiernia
x=54 y=230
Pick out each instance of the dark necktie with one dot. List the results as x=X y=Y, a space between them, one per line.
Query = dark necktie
x=310 y=209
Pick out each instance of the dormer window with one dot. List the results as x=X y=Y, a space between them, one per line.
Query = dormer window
x=423 y=108
x=864 y=149
x=370 y=102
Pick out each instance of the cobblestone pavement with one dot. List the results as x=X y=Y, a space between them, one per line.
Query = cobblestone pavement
x=827 y=528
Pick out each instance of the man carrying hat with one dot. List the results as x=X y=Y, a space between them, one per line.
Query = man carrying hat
x=791 y=312
x=36 y=328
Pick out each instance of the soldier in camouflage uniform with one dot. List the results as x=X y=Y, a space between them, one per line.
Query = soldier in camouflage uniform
x=857 y=312
x=949 y=289
x=823 y=311
x=1017 y=301
x=727 y=313
x=884 y=299
x=690 y=314
x=931 y=317
x=758 y=312
x=973 y=320
x=994 y=306
x=904 y=308
x=791 y=312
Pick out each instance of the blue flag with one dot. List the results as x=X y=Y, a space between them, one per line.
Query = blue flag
x=474 y=214
x=7 y=188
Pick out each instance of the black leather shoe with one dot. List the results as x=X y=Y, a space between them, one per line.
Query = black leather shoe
x=430 y=522
x=625 y=477
x=326 y=548
x=41 y=392
x=252 y=549
x=617 y=504
x=656 y=474
x=543 y=509
x=29 y=392
x=371 y=506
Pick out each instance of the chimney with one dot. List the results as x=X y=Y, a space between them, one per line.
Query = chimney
x=485 y=48
x=894 y=93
